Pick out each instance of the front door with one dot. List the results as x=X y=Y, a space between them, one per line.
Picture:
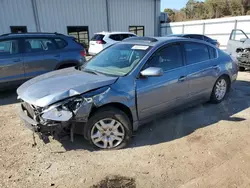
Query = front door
x=158 y=94
x=11 y=63
x=236 y=40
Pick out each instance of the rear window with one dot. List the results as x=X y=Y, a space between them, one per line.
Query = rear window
x=97 y=37
x=61 y=43
x=199 y=37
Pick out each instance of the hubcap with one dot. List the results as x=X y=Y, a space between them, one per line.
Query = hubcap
x=220 y=89
x=107 y=133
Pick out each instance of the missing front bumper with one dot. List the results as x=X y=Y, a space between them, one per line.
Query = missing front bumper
x=56 y=130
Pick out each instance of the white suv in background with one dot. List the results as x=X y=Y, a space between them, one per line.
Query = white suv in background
x=102 y=40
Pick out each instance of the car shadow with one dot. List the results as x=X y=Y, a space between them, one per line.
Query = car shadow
x=181 y=124
x=8 y=97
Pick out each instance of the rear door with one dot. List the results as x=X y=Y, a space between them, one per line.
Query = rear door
x=201 y=67
x=11 y=63
x=40 y=56
x=235 y=41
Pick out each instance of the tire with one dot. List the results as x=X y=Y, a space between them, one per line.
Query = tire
x=112 y=117
x=219 y=93
x=242 y=68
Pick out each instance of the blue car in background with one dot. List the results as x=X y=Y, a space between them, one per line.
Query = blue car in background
x=125 y=86
x=199 y=37
x=26 y=55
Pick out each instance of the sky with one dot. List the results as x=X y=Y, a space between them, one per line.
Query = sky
x=173 y=4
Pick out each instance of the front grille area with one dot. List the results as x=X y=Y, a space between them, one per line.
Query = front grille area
x=29 y=109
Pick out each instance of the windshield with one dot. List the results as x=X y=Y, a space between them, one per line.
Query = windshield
x=117 y=60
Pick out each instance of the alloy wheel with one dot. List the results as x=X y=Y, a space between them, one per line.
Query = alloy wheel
x=107 y=133
x=220 y=89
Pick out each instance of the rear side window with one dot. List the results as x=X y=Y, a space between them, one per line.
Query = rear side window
x=196 y=52
x=97 y=37
x=39 y=45
x=61 y=43
x=8 y=47
x=124 y=36
x=116 y=37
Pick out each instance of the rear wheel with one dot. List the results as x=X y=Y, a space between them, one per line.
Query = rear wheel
x=220 y=89
x=109 y=128
x=242 y=68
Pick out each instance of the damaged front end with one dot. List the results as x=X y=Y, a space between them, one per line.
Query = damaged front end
x=243 y=57
x=57 y=119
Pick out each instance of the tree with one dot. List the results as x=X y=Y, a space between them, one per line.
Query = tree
x=169 y=11
x=197 y=9
x=236 y=7
x=246 y=6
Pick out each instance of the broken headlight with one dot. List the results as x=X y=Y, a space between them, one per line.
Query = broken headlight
x=62 y=111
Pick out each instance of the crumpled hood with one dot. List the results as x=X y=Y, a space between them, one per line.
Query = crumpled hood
x=57 y=85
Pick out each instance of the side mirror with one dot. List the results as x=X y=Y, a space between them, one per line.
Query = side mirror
x=243 y=40
x=152 y=72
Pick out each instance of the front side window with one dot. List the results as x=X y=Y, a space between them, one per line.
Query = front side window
x=8 y=47
x=167 y=58
x=39 y=45
x=196 y=52
x=238 y=35
x=117 y=60
x=138 y=30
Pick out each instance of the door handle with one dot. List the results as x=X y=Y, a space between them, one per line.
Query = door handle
x=182 y=78
x=16 y=60
x=58 y=55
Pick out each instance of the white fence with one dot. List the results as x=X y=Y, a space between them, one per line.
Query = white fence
x=219 y=29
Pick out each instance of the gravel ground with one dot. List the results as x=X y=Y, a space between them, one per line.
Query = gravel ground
x=205 y=146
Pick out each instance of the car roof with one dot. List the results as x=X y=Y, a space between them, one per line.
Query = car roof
x=35 y=34
x=181 y=35
x=113 y=32
x=154 y=41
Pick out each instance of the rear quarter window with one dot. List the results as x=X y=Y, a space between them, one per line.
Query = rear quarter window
x=60 y=43
x=212 y=52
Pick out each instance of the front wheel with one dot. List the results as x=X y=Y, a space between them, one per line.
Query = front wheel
x=109 y=128
x=220 y=89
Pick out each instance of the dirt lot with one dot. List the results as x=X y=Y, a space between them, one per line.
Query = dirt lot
x=205 y=146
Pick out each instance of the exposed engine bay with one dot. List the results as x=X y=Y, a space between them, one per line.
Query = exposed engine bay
x=243 y=55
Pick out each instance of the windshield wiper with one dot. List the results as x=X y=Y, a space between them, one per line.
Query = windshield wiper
x=91 y=71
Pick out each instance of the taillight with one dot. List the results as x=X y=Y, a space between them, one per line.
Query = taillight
x=83 y=53
x=100 y=42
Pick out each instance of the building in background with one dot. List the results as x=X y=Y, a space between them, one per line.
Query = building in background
x=80 y=18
